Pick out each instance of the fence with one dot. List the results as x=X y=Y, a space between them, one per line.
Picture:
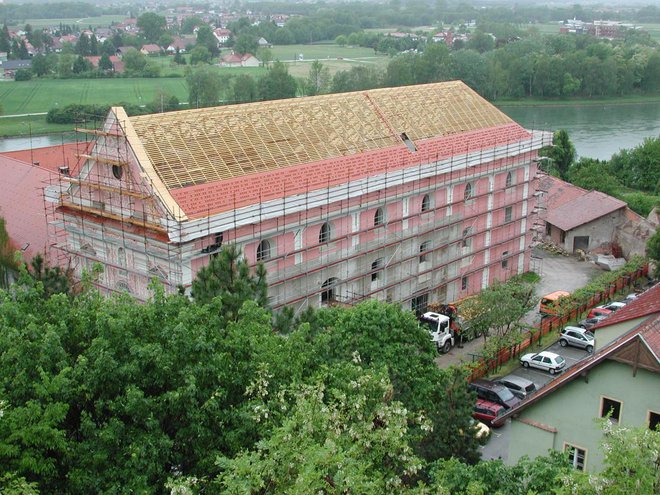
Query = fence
x=485 y=366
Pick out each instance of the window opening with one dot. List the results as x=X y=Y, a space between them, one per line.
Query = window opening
x=469 y=192
x=509 y=180
x=576 y=456
x=426 y=203
x=508 y=213
x=464 y=283
x=408 y=142
x=375 y=269
x=328 y=295
x=419 y=304
x=379 y=217
x=324 y=234
x=263 y=250
x=505 y=259
x=654 y=420
x=117 y=171
x=611 y=407
x=424 y=249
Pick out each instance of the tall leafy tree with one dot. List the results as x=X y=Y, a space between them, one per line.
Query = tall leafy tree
x=8 y=264
x=151 y=26
x=318 y=79
x=561 y=153
x=246 y=43
x=277 y=83
x=244 y=89
x=204 y=85
x=206 y=38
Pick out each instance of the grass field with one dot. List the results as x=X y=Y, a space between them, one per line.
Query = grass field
x=101 y=21
x=40 y=95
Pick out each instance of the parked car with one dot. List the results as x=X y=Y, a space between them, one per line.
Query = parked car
x=589 y=323
x=544 y=360
x=547 y=306
x=494 y=392
x=599 y=312
x=613 y=306
x=520 y=387
x=578 y=337
x=630 y=297
x=487 y=412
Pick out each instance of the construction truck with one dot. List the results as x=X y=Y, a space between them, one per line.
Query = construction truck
x=443 y=326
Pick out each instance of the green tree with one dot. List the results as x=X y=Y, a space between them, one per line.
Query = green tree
x=151 y=26
x=55 y=280
x=40 y=65
x=277 y=83
x=561 y=153
x=204 y=85
x=339 y=436
x=591 y=174
x=244 y=89
x=179 y=58
x=318 y=79
x=135 y=62
x=265 y=56
x=105 y=64
x=200 y=55
x=653 y=250
x=189 y=24
x=638 y=168
x=8 y=265
x=83 y=47
x=205 y=37
x=341 y=40
x=497 y=311
x=81 y=65
x=228 y=276
x=246 y=43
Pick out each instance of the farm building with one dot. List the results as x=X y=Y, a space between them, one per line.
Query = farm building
x=414 y=194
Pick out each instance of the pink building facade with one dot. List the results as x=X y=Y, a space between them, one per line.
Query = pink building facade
x=412 y=195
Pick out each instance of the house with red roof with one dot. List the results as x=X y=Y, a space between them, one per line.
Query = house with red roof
x=151 y=50
x=222 y=35
x=620 y=381
x=591 y=221
x=24 y=175
x=117 y=63
x=239 y=60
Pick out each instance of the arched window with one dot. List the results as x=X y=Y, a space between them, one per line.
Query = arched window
x=424 y=249
x=324 y=233
x=263 y=250
x=379 y=217
x=426 y=203
x=328 y=295
x=376 y=266
x=509 y=180
x=469 y=191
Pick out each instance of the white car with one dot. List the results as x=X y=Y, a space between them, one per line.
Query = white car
x=544 y=360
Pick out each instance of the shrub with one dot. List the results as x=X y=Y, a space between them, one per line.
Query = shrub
x=23 y=75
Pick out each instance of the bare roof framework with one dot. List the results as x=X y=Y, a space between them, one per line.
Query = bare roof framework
x=212 y=144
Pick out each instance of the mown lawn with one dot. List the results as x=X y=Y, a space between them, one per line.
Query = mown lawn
x=40 y=95
x=84 y=22
x=320 y=51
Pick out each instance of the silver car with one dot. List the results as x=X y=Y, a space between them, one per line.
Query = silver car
x=520 y=387
x=544 y=360
x=578 y=337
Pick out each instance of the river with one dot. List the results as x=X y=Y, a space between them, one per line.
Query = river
x=597 y=131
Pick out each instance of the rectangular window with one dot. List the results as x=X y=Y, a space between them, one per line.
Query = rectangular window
x=419 y=304
x=562 y=237
x=548 y=229
x=508 y=213
x=576 y=456
x=464 y=283
x=654 y=420
x=505 y=259
x=611 y=407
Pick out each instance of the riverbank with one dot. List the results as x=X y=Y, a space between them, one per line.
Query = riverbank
x=578 y=102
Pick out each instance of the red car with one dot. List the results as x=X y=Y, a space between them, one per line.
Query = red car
x=599 y=312
x=486 y=412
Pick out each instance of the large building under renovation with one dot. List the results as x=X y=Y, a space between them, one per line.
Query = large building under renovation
x=415 y=194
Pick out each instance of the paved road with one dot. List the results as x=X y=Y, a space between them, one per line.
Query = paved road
x=557 y=273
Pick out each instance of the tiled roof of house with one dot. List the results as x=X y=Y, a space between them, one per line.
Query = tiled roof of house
x=583 y=209
x=53 y=157
x=559 y=192
x=646 y=304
